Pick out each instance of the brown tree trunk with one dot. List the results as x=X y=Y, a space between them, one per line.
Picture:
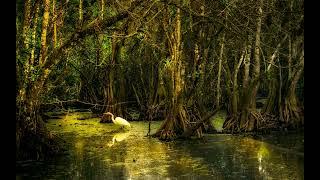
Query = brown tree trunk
x=26 y=20
x=291 y=111
x=219 y=70
x=80 y=11
x=102 y=9
x=54 y=23
x=235 y=95
x=274 y=86
x=255 y=70
x=175 y=122
x=45 y=22
x=247 y=60
x=34 y=35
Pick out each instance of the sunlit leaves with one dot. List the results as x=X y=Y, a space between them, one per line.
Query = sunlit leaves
x=110 y=11
x=35 y=72
x=106 y=48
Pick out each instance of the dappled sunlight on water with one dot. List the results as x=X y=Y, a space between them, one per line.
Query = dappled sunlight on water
x=101 y=151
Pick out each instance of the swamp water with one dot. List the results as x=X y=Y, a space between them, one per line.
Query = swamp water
x=100 y=151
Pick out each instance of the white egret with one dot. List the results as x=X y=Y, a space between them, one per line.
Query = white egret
x=118 y=121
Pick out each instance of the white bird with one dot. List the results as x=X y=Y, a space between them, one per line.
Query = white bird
x=119 y=121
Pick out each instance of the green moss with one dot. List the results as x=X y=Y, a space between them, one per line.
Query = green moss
x=84 y=128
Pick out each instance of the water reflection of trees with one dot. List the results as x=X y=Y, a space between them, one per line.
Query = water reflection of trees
x=238 y=157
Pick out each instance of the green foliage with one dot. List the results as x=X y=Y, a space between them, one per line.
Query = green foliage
x=110 y=11
x=186 y=3
x=167 y=64
x=123 y=54
x=35 y=72
x=224 y=2
x=106 y=47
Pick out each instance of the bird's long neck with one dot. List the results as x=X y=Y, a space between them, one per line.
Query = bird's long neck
x=112 y=118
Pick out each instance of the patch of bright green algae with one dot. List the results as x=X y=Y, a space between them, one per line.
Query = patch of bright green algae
x=218 y=120
x=85 y=128
x=130 y=152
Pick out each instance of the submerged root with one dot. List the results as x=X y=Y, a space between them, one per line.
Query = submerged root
x=167 y=135
x=171 y=128
x=231 y=124
x=255 y=122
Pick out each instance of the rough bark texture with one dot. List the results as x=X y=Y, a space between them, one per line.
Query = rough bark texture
x=45 y=22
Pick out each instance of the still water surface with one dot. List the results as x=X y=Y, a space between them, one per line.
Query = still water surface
x=100 y=151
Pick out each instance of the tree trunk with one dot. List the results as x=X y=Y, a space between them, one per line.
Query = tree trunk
x=247 y=64
x=175 y=122
x=244 y=104
x=113 y=91
x=256 y=68
x=291 y=111
x=219 y=70
x=80 y=11
x=102 y=9
x=34 y=35
x=271 y=106
x=26 y=20
x=110 y=81
x=45 y=21
x=235 y=95
x=54 y=24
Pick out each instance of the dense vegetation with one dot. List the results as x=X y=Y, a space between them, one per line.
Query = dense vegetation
x=176 y=60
